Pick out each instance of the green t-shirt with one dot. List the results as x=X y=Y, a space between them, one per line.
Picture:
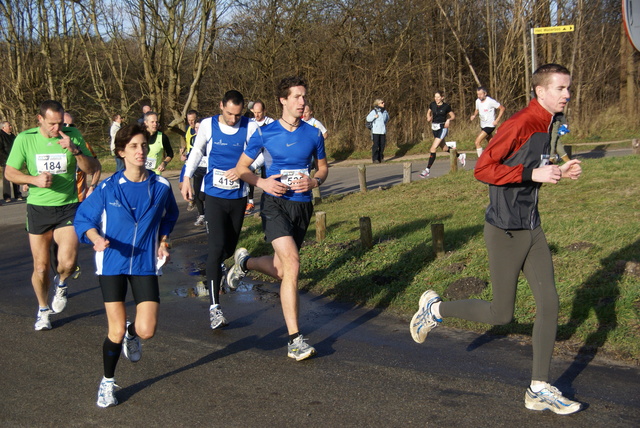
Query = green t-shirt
x=45 y=154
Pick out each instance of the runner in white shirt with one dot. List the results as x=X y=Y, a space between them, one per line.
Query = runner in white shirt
x=307 y=116
x=486 y=108
x=260 y=117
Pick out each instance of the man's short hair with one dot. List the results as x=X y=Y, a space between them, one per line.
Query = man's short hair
x=68 y=119
x=482 y=88
x=283 y=88
x=3 y=124
x=234 y=96
x=52 y=105
x=257 y=102
x=115 y=116
x=150 y=113
x=543 y=74
x=193 y=112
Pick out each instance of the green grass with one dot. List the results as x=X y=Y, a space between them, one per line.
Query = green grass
x=600 y=303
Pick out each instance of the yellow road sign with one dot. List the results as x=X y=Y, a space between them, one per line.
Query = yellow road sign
x=558 y=29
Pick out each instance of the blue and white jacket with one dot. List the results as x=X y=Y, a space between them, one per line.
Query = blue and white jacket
x=133 y=245
x=380 y=122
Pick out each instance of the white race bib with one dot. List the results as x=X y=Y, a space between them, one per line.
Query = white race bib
x=289 y=175
x=222 y=182
x=436 y=126
x=150 y=163
x=52 y=163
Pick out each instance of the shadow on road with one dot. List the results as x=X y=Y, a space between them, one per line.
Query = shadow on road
x=599 y=293
x=386 y=283
x=241 y=345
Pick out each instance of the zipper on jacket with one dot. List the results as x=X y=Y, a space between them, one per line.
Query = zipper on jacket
x=133 y=248
x=535 y=205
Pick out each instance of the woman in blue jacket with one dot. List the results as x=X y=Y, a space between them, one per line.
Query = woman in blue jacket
x=379 y=116
x=128 y=219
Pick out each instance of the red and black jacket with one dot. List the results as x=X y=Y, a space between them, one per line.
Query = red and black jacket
x=506 y=166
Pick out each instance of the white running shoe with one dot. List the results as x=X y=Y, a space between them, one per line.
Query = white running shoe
x=59 y=299
x=216 y=318
x=42 y=320
x=131 y=348
x=424 y=321
x=300 y=349
x=550 y=398
x=425 y=173
x=236 y=273
x=106 y=393
x=60 y=296
x=199 y=221
x=463 y=159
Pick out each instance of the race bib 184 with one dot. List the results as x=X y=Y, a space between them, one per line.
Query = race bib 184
x=52 y=163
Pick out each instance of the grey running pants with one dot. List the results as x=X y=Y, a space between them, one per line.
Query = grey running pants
x=509 y=253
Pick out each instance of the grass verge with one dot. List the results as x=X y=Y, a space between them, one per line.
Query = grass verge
x=591 y=225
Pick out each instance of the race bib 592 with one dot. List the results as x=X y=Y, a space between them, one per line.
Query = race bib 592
x=289 y=175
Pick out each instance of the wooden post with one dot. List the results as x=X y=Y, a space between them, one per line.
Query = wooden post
x=366 y=236
x=569 y=150
x=453 y=160
x=406 y=172
x=362 y=177
x=321 y=225
x=437 y=236
x=635 y=146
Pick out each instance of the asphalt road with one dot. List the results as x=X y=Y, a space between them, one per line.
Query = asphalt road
x=368 y=371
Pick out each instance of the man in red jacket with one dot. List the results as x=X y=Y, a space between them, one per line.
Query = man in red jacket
x=514 y=165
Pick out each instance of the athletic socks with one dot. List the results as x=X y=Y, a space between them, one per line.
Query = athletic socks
x=432 y=159
x=243 y=264
x=110 y=356
x=435 y=310
x=537 y=385
x=293 y=337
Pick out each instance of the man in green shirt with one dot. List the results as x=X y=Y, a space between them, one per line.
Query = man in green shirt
x=160 y=150
x=50 y=154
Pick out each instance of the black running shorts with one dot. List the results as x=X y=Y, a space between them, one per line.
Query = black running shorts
x=41 y=219
x=489 y=130
x=281 y=217
x=144 y=288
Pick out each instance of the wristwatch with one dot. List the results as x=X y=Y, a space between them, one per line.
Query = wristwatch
x=319 y=180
